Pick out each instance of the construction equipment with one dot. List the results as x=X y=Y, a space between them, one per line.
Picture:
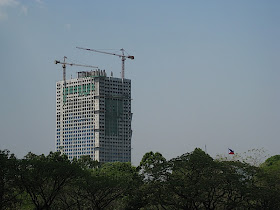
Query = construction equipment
x=70 y=64
x=124 y=57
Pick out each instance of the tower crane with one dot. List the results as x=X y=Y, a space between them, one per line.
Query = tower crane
x=64 y=63
x=124 y=57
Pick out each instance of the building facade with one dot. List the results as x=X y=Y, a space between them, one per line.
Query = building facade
x=93 y=117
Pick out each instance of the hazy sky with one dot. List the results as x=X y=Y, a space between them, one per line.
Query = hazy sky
x=205 y=72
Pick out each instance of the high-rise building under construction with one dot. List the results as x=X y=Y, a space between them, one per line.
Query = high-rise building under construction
x=93 y=117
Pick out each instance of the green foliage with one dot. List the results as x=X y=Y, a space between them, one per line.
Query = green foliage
x=44 y=177
x=154 y=171
x=9 y=191
x=153 y=166
x=272 y=161
x=194 y=181
x=86 y=162
x=191 y=181
x=268 y=184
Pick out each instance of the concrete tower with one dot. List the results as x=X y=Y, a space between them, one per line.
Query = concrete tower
x=93 y=117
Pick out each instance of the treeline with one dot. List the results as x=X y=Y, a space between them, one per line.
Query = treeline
x=191 y=181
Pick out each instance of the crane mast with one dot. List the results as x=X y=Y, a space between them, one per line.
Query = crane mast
x=64 y=70
x=122 y=56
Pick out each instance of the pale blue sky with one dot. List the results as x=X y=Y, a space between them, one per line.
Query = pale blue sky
x=205 y=72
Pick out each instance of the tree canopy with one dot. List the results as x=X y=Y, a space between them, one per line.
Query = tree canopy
x=192 y=180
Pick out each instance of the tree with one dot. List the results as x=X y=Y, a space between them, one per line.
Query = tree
x=272 y=162
x=154 y=171
x=238 y=185
x=44 y=177
x=268 y=184
x=86 y=163
x=192 y=176
x=100 y=187
x=199 y=182
x=153 y=166
x=9 y=191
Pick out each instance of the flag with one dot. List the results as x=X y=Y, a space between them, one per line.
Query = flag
x=230 y=151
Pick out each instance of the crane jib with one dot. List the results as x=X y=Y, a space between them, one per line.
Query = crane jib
x=123 y=57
